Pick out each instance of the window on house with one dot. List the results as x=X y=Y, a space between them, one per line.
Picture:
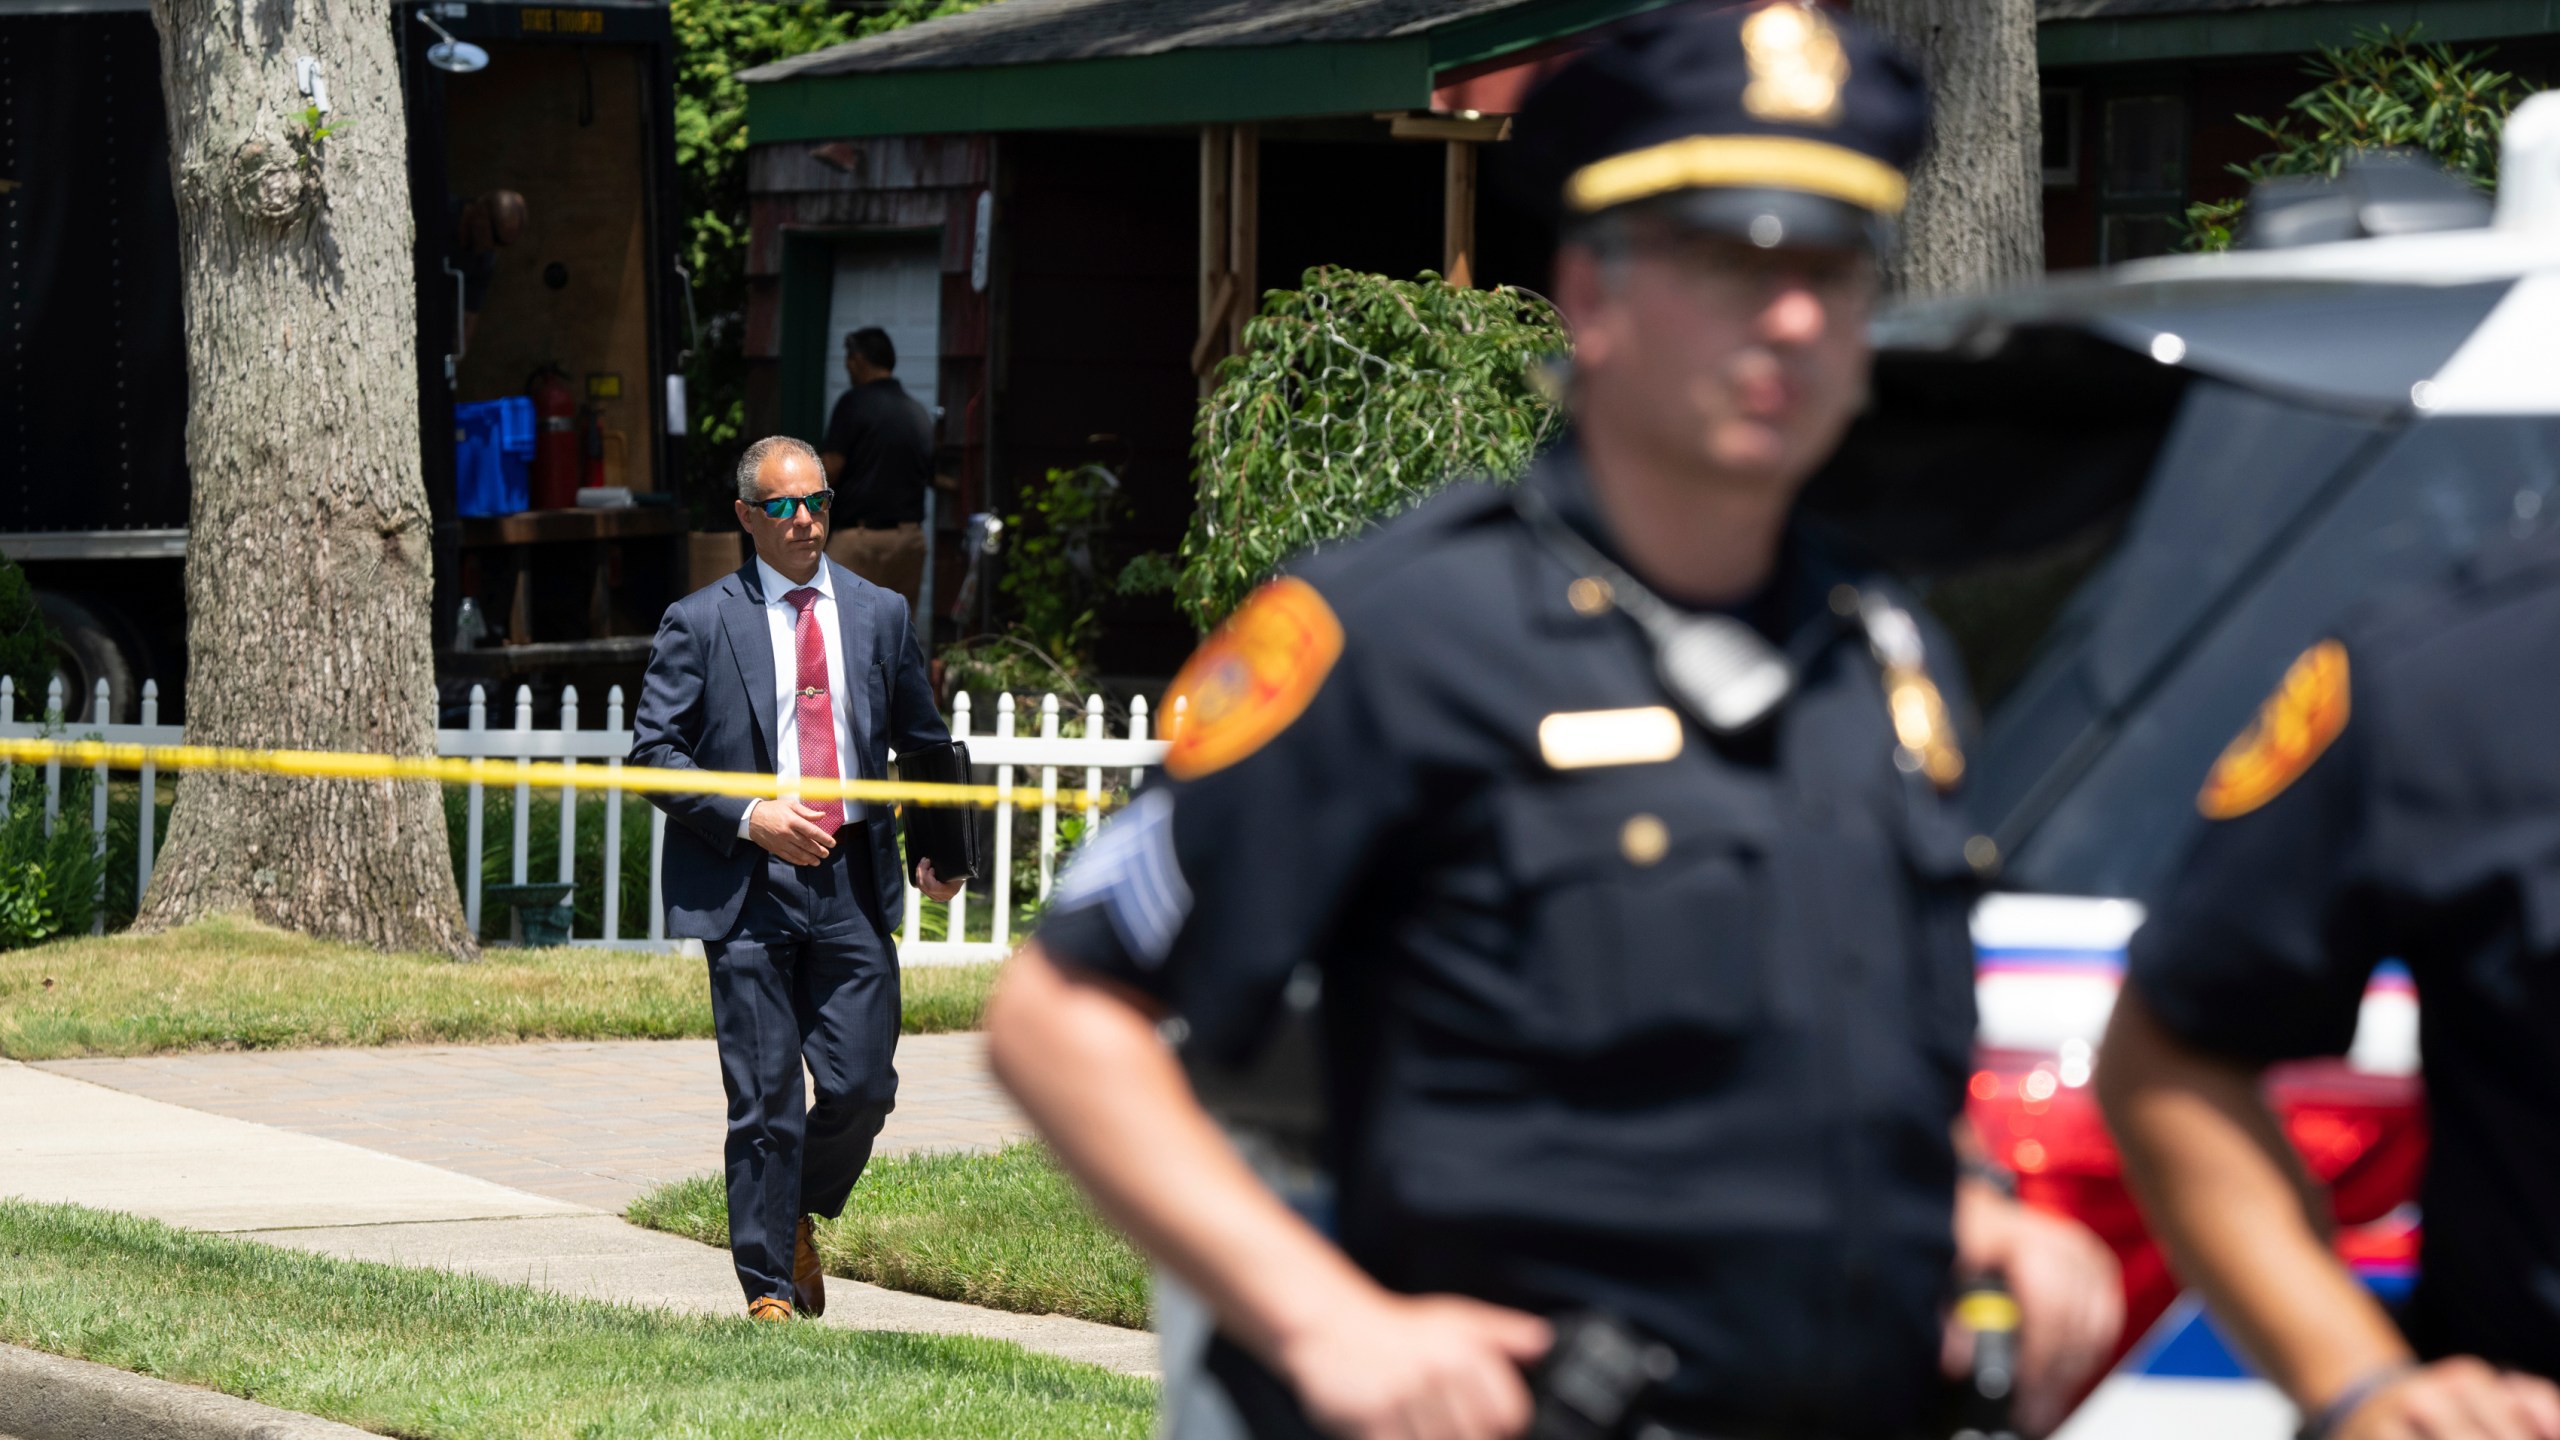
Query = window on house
x=2142 y=176
x=2061 y=141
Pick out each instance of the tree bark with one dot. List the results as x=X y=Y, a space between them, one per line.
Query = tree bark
x=308 y=548
x=1977 y=203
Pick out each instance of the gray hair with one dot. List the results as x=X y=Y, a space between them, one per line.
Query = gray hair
x=753 y=461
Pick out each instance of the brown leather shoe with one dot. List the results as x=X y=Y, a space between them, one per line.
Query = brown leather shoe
x=808 y=1277
x=771 y=1307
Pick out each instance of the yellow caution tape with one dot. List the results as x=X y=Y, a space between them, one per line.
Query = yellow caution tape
x=541 y=774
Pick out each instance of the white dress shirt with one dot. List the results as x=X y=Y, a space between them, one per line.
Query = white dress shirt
x=782 y=620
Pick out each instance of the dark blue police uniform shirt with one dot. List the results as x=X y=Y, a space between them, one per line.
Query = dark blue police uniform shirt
x=1707 y=1084
x=2429 y=830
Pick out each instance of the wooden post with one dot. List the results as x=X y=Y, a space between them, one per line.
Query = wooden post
x=1217 y=155
x=1214 y=157
x=1458 y=216
x=1244 y=231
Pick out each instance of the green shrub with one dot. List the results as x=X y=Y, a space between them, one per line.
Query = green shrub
x=2386 y=91
x=542 y=854
x=1355 y=397
x=1011 y=663
x=48 y=883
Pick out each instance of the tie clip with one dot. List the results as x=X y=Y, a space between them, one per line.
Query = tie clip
x=809 y=690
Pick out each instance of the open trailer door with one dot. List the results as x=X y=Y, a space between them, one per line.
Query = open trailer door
x=570 y=107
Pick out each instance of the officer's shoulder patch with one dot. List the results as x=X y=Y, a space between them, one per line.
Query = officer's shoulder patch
x=2296 y=724
x=1252 y=677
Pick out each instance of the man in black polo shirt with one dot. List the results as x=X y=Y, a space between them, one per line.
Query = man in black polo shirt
x=2397 y=797
x=879 y=457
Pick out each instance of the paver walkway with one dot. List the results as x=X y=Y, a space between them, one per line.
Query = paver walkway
x=595 y=1124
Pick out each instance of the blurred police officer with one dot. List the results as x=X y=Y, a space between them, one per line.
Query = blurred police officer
x=1639 y=927
x=2398 y=796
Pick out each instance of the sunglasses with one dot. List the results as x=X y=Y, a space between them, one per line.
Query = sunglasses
x=780 y=507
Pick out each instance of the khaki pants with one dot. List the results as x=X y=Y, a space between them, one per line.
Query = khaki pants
x=890 y=559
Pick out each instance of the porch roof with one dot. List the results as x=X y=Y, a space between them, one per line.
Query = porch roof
x=1090 y=64
x=1101 y=64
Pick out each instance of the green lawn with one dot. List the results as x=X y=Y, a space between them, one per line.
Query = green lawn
x=1008 y=1231
x=425 y=1354
x=231 y=984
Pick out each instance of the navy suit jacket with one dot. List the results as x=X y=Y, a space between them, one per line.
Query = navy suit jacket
x=708 y=704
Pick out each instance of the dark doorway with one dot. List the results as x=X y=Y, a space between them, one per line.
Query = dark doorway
x=1373 y=207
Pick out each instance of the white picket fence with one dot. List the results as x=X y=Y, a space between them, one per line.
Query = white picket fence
x=1005 y=758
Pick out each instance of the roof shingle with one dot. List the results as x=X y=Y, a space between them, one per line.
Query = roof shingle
x=1032 y=32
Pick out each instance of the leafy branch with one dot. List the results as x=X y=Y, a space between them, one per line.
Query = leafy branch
x=1355 y=397
x=2386 y=91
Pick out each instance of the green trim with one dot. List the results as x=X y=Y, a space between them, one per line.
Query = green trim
x=2287 y=31
x=808 y=292
x=1520 y=27
x=1182 y=87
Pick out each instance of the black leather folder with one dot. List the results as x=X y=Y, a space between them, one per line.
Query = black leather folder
x=948 y=835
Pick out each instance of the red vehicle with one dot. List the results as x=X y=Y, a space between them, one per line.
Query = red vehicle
x=2049 y=968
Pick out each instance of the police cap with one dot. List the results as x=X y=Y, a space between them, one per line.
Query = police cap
x=1778 y=123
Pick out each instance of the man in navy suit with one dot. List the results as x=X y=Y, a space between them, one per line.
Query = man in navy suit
x=796 y=667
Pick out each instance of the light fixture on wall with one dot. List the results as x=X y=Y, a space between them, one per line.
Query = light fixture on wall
x=454 y=57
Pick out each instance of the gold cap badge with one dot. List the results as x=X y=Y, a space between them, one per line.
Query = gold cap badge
x=1797 y=66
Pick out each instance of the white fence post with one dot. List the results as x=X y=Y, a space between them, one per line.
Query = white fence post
x=100 y=714
x=1000 y=901
x=657 y=873
x=1048 y=793
x=1095 y=732
x=53 y=766
x=471 y=841
x=149 y=821
x=569 y=810
x=520 y=863
x=613 y=824
x=8 y=716
x=956 y=930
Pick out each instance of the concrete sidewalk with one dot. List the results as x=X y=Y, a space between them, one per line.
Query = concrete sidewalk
x=594 y=1123
x=65 y=1139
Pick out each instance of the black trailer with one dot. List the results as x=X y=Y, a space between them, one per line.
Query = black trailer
x=570 y=106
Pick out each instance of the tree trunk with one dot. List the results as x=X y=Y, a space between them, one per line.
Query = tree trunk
x=308 y=553
x=1977 y=204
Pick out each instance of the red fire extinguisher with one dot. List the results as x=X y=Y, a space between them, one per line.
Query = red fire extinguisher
x=591 y=447
x=553 y=479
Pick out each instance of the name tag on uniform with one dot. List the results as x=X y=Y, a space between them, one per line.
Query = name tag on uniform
x=1584 y=739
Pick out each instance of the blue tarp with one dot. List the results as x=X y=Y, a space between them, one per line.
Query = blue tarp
x=493 y=443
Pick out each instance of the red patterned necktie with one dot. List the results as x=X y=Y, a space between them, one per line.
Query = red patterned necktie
x=816 y=708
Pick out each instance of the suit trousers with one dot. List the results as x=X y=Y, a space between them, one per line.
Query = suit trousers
x=808 y=978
